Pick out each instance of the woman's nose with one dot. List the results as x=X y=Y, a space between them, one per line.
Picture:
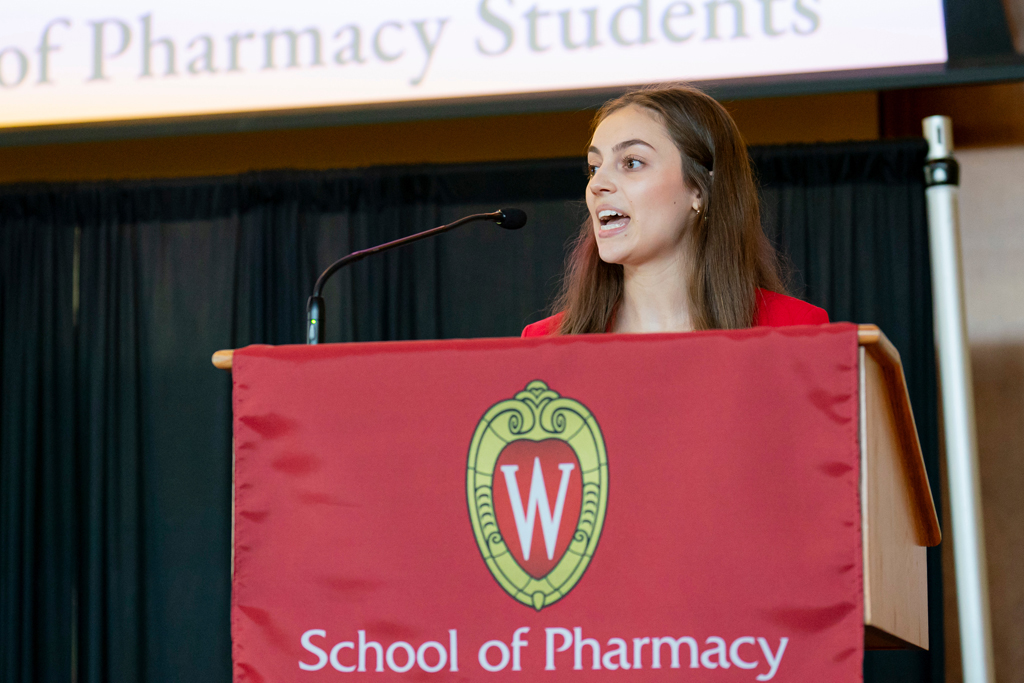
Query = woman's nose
x=600 y=182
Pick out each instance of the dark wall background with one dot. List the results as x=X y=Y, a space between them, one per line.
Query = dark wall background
x=115 y=429
x=978 y=32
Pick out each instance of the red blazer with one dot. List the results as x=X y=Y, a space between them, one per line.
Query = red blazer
x=773 y=310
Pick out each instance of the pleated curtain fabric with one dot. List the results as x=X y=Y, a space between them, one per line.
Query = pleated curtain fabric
x=39 y=478
x=116 y=430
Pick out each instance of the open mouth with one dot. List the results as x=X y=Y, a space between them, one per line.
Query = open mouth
x=612 y=220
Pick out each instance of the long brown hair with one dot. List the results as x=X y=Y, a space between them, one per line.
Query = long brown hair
x=731 y=256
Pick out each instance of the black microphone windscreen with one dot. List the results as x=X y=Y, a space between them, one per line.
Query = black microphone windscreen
x=512 y=219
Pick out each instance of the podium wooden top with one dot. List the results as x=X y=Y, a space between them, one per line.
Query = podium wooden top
x=869 y=336
x=222 y=359
x=875 y=343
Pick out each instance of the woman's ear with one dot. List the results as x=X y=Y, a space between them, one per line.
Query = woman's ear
x=696 y=199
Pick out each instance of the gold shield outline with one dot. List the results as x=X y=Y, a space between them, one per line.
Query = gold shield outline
x=536 y=414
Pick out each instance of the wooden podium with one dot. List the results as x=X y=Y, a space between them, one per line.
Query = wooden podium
x=898 y=518
x=897 y=511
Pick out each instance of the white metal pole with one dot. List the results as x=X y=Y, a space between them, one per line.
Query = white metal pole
x=942 y=176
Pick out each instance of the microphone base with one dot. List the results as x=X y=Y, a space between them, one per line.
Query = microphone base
x=315 y=320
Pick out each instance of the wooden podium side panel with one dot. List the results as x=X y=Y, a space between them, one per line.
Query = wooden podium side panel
x=895 y=573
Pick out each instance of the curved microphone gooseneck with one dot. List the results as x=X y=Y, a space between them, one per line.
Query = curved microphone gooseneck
x=510 y=219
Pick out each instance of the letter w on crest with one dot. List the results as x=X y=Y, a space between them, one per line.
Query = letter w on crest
x=537 y=503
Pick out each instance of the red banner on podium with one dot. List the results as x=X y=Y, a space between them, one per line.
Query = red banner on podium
x=599 y=508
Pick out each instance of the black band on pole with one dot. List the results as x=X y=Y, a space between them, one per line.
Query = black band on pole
x=941 y=172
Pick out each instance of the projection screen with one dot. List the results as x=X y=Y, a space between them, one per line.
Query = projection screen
x=67 y=62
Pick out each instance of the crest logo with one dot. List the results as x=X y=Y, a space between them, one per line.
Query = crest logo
x=537 y=486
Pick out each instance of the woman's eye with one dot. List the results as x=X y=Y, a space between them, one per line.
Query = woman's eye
x=633 y=164
x=591 y=170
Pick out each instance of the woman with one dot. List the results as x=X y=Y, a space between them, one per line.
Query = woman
x=673 y=241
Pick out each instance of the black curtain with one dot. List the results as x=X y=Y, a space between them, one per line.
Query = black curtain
x=38 y=471
x=115 y=470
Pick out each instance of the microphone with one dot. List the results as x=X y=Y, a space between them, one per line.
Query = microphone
x=510 y=219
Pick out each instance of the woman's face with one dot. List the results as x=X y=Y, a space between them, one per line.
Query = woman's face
x=639 y=203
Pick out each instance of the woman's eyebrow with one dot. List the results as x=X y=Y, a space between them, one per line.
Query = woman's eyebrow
x=621 y=146
x=629 y=143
